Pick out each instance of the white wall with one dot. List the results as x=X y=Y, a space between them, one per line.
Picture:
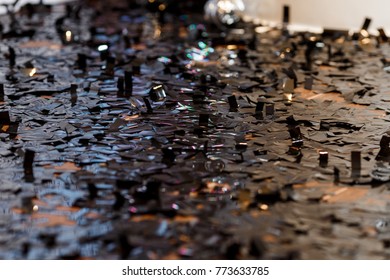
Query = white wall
x=343 y=14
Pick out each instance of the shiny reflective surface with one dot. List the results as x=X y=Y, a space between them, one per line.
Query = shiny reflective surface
x=224 y=13
x=154 y=135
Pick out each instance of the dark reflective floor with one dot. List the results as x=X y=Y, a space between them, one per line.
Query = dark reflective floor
x=142 y=132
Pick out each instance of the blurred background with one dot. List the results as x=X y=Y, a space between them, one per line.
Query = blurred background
x=305 y=14
x=341 y=14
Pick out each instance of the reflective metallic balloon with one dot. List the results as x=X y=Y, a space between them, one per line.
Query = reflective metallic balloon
x=224 y=13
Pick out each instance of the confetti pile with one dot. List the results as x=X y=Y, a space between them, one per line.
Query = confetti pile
x=138 y=131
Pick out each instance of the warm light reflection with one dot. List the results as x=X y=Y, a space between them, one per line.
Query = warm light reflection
x=157 y=32
x=35 y=208
x=231 y=47
x=364 y=33
x=33 y=71
x=130 y=118
x=262 y=29
x=289 y=97
x=5 y=128
x=365 y=41
x=218 y=187
x=340 y=40
x=68 y=36
x=264 y=207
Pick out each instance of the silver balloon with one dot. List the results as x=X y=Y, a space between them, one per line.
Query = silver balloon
x=224 y=13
